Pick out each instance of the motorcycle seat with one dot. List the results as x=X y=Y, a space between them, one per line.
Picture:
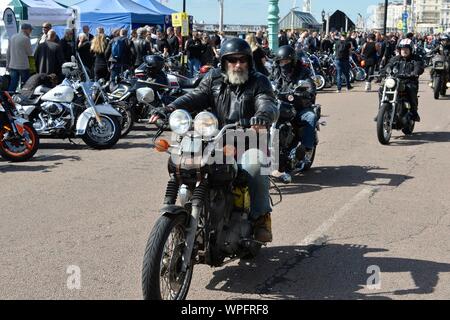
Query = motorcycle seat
x=189 y=83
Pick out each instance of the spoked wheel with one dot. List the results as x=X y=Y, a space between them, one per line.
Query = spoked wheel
x=360 y=74
x=127 y=119
x=162 y=275
x=384 y=125
x=319 y=81
x=19 y=148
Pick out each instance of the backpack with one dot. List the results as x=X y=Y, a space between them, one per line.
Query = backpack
x=118 y=48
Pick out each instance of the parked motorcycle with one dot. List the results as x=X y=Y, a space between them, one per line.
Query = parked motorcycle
x=395 y=109
x=69 y=111
x=19 y=141
x=211 y=223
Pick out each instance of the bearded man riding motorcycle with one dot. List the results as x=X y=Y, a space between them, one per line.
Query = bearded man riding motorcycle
x=237 y=93
x=408 y=64
x=286 y=75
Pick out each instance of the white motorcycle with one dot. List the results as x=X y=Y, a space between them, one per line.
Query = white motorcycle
x=69 y=111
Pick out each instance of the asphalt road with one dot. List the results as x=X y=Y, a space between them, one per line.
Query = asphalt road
x=364 y=212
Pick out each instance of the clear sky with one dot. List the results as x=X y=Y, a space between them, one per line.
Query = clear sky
x=255 y=11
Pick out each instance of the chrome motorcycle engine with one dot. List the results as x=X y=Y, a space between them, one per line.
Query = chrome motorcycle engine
x=54 y=116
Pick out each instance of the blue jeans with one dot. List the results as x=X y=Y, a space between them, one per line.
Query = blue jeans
x=194 y=66
x=342 y=66
x=308 y=120
x=15 y=74
x=258 y=183
x=116 y=71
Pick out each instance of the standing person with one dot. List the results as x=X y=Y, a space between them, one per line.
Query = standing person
x=87 y=32
x=208 y=55
x=46 y=27
x=259 y=56
x=161 y=45
x=313 y=43
x=49 y=56
x=141 y=46
x=369 y=54
x=134 y=35
x=120 y=54
x=194 y=51
x=84 y=49
x=326 y=45
x=342 y=50
x=179 y=37
x=98 y=48
x=282 y=39
x=17 y=57
x=174 y=43
x=259 y=37
x=67 y=45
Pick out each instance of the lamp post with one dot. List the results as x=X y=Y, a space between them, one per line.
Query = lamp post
x=273 y=24
x=323 y=20
x=386 y=3
x=221 y=15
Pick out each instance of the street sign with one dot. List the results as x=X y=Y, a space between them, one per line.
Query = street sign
x=185 y=28
x=405 y=16
x=400 y=25
x=177 y=18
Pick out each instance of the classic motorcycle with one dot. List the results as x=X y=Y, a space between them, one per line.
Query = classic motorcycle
x=440 y=75
x=288 y=135
x=69 y=111
x=211 y=222
x=395 y=109
x=19 y=141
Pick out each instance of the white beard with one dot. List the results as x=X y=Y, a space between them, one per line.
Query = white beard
x=237 y=78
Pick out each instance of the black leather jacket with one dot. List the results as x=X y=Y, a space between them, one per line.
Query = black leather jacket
x=413 y=66
x=230 y=103
x=285 y=83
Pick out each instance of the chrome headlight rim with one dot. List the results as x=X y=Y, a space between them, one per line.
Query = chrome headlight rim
x=390 y=83
x=180 y=122
x=206 y=124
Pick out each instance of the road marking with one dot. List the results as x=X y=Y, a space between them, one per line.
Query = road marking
x=318 y=237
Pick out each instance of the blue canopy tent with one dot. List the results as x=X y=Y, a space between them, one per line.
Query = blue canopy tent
x=113 y=14
x=155 y=6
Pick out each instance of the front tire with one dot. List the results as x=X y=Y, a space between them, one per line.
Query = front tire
x=319 y=81
x=102 y=138
x=19 y=150
x=437 y=83
x=161 y=268
x=384 y=125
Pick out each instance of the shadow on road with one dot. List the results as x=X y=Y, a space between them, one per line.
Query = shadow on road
x=30 y=167
x=419 y=138
x=333 y=271
x=319 y=178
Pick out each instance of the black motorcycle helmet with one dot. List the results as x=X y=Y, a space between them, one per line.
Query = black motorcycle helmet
x=236 y=46
x=445 y=40
x=155 y=63
x=286 y=53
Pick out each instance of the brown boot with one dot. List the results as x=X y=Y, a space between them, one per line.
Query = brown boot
x=263 y=229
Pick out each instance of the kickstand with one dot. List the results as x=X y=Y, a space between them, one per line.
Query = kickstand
x=72 y=142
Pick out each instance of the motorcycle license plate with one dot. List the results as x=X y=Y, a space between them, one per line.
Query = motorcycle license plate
x=191 y=145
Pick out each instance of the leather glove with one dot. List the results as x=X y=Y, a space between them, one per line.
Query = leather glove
x=260 y=120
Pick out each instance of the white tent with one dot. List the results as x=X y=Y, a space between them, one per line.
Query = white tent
x=37 y=12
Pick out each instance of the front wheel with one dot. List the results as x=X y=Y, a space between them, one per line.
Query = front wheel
x=102 y=137
x=162 y=277
x=19 y=148
x=360 y=74
x=384 y=125
x=319 y=81
x=437 y=83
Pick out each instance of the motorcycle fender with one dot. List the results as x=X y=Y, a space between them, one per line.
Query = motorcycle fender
x=84 y=118
x=20 y=123
x=173 y=210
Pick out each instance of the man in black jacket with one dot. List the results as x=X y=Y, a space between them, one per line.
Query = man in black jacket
x=410 y=65
x=141 y=47
x=287 y=74
x=120 y=53
x=236 y=92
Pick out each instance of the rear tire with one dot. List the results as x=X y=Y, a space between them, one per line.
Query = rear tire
x=127 y=122
x=384 y=127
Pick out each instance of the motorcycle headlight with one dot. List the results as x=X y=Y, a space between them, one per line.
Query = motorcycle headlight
x=390 y=83
x=180 y=122
x=206 y=124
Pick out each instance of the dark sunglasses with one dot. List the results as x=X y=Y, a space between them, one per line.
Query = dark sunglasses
x=236 y=59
